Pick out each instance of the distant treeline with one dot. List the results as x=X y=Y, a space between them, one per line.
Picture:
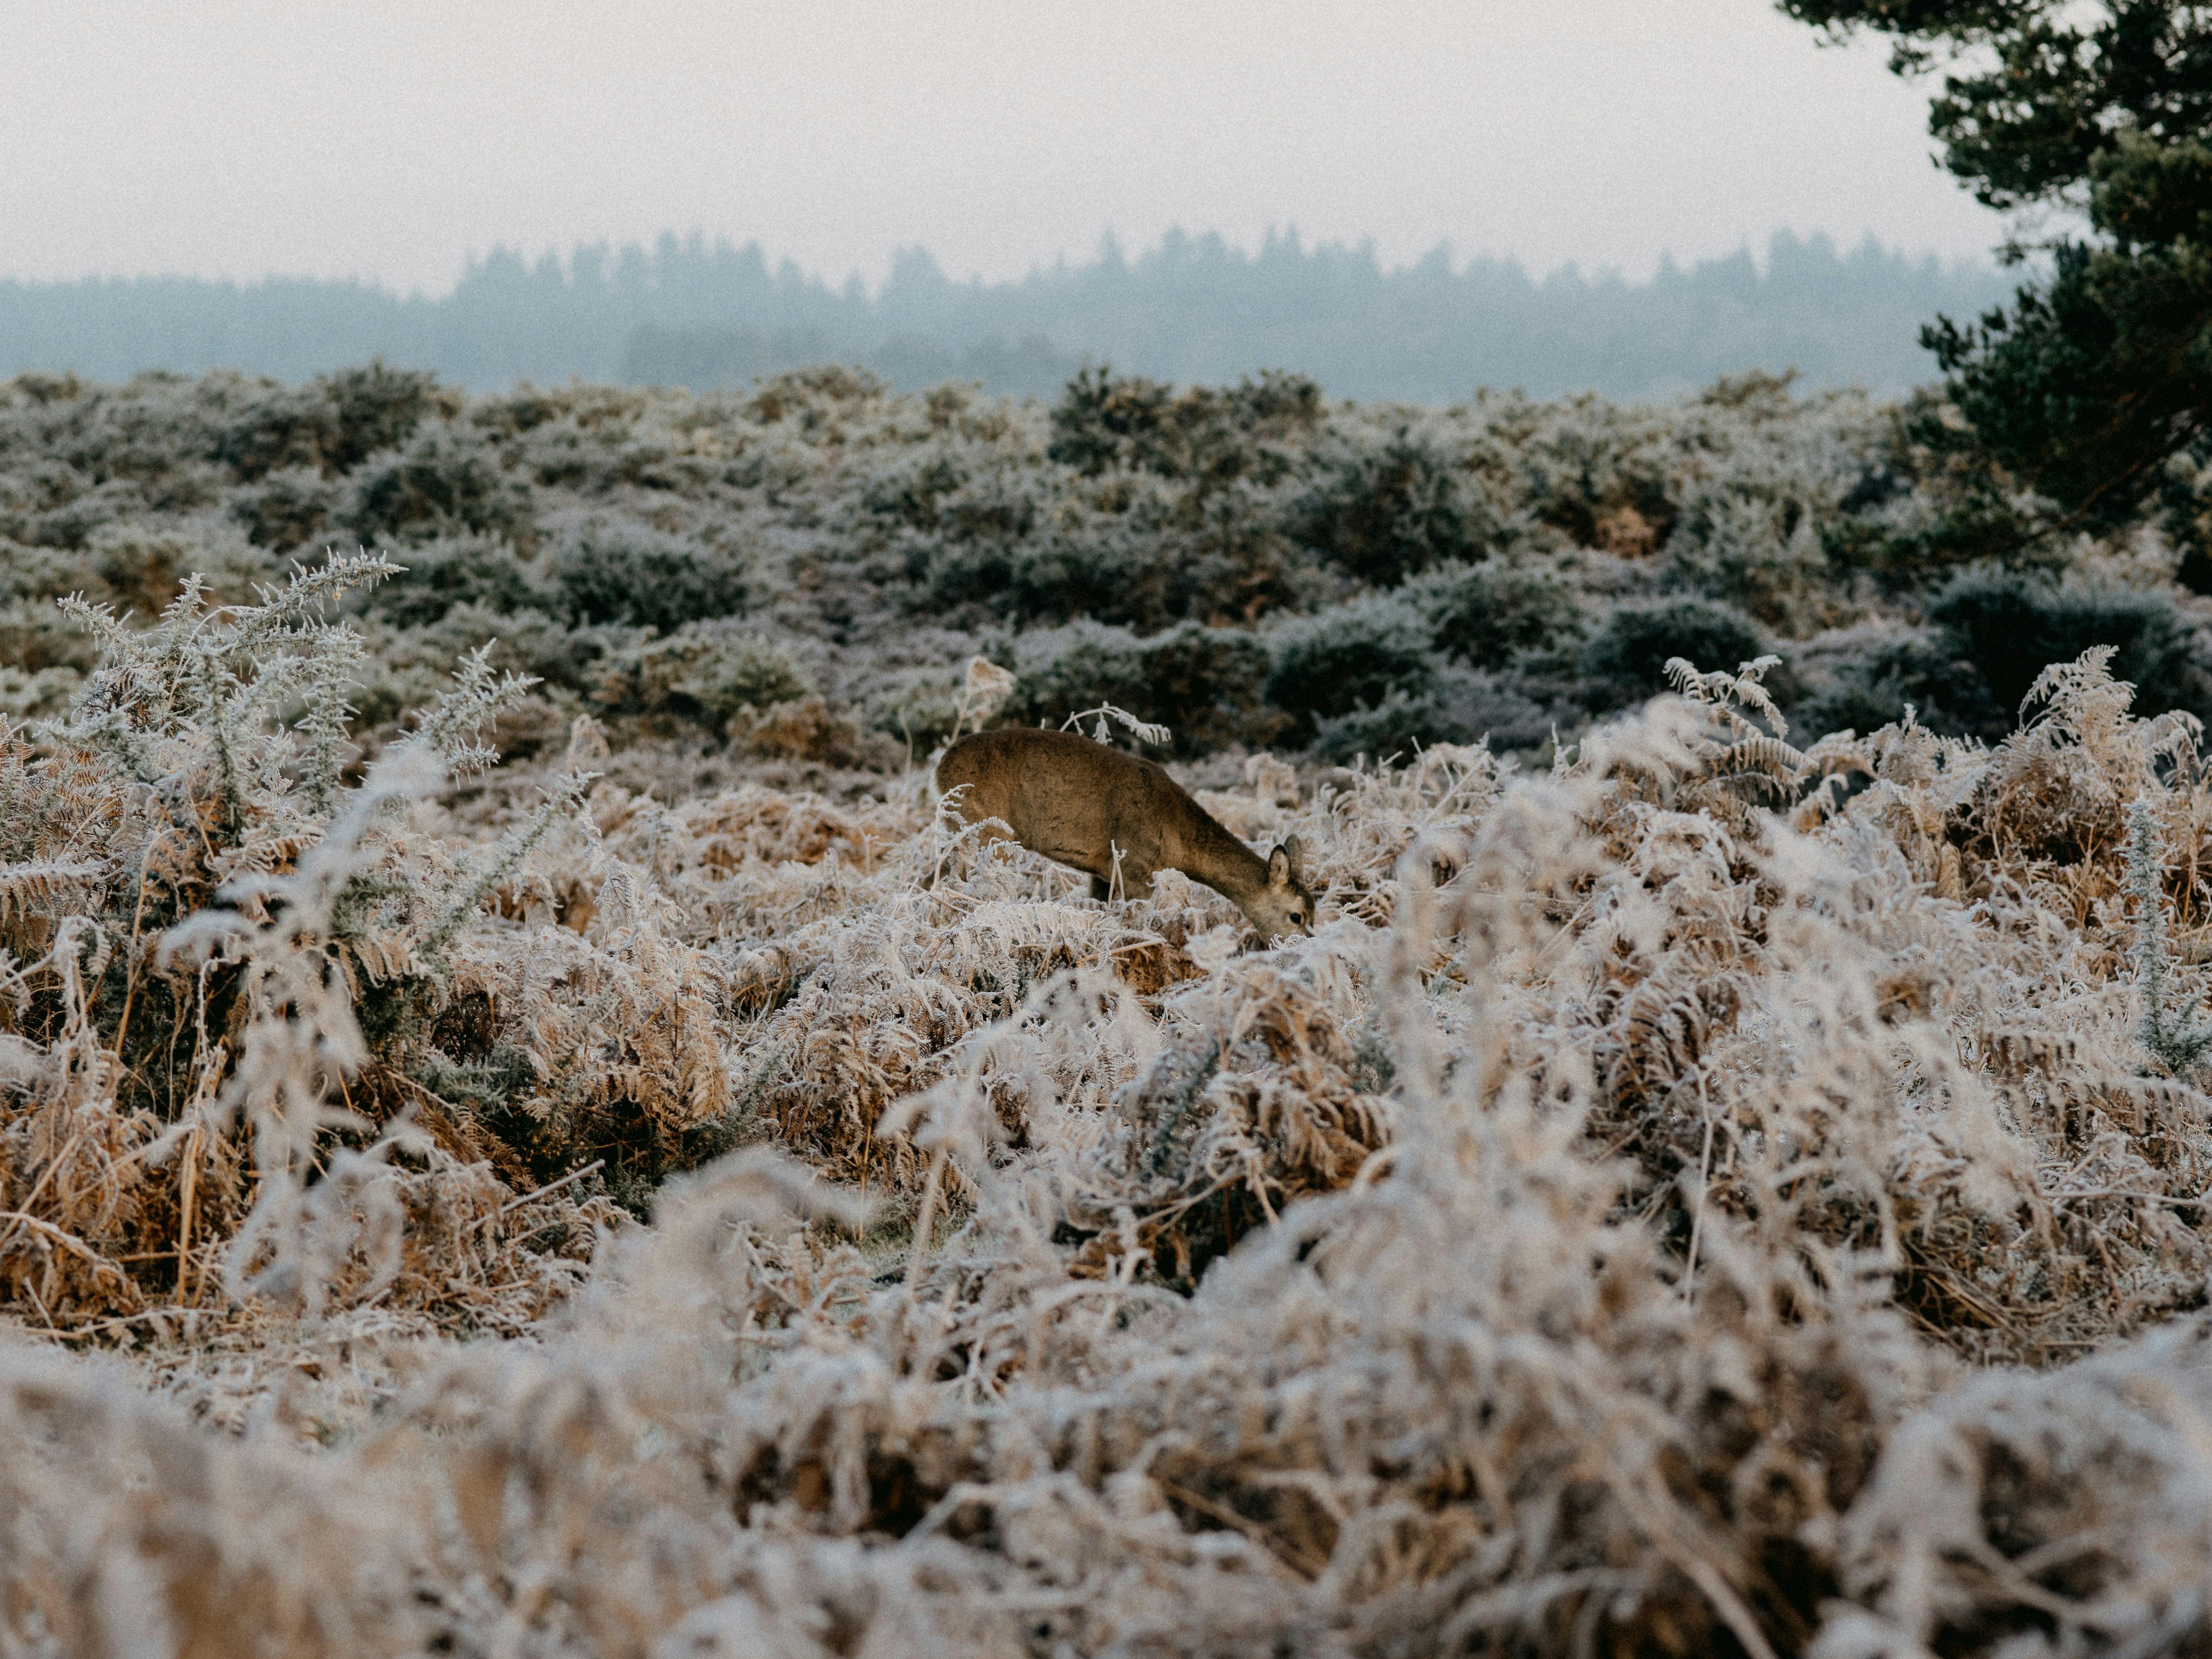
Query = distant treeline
x=1193 y=309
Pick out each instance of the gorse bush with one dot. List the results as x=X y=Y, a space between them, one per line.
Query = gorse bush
x=628 y=573
x=2009 y=625
x=1204 y=684
x=704 y=675
x=1383 y=513
x=287 y=509
x=1354 y=655
x=1554 y=555
x=1106 y=422
x=1628 y=654
x=440 y=484
x=332 y=424
x=1989 y=632
x=469 y=570
x=1489 y=613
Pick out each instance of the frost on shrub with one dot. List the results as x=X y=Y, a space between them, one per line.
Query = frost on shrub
x=1486 y=614
x=1204 y=684
x=1358 y=655
x=705 y=675
x=476 y=570
x=1106 y=421
x=330 y=425
x=287 y=509
x=1628 y=653
x=1762 y=554
x=1159 y=556
x=1391 y=506
x=620 y=571
x=442 y=484
x=824 y=508
x=1461 y=706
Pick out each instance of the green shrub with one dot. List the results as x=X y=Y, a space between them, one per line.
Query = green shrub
x=42 y=653
x=479 y=570
x=1206 y=683
x=1383 y=512
x=619 y=571
x=1220 y=558
x=817 y=397
x=331 y=424
x=1487 y=613
x=2010 y=624
x=442 y=482
x=288 y=508
x=1762 y=554
x=1106 y=422
x=750 y=673
x=1460 y=705
x=38 y=572
x=403 y=662
x=1922 y=671
x=142 y=566
x=375 y=407
x=1626 y=659
x=701 y=675
x=965 y=538
x=2184 y=500
x=1203 y=684
x=1357 y=655
x=56 y=507
x=1233 y=563
x=1399 y=726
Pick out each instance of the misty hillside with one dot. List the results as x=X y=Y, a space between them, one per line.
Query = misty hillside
x=1192 y=310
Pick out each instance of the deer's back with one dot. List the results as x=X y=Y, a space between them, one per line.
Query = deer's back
x=1065 y=796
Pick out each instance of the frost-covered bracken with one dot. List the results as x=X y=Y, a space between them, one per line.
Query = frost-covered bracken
x=1731 y=1188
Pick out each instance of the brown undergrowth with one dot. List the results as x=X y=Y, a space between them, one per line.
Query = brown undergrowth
x=1719 y=1196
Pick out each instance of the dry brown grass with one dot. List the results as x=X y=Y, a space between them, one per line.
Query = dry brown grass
x=1673 y=1205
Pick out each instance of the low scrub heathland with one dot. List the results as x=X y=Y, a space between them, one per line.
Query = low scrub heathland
x=525 y=1128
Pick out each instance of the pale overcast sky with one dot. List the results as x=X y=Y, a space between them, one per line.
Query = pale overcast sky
x=394 y=140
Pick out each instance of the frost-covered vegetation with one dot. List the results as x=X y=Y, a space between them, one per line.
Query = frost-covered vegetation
x=1250 y=565
x=1728 y=1174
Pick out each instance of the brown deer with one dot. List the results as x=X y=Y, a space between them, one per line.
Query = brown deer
x=1081 y=804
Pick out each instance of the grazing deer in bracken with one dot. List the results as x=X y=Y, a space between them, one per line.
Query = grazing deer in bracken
x=1081 y=804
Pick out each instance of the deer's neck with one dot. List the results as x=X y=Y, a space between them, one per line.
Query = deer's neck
x=1216 y=857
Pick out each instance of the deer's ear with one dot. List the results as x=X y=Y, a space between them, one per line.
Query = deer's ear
x=1297 y=853
x=1279 y=867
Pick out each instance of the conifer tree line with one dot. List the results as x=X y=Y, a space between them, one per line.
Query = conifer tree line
x=1192 y=310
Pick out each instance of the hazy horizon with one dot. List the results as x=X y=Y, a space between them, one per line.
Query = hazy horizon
x=1188 y=310
x=248 y=140
x=1456 y=262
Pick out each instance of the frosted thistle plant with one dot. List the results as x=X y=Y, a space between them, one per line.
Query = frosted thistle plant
x=2173 y=1042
